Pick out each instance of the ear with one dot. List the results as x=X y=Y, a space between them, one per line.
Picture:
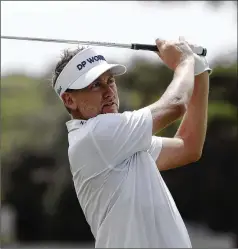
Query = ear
x=69 y=101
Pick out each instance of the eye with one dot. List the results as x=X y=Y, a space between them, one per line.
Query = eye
x=111 y=80
x=95 y=85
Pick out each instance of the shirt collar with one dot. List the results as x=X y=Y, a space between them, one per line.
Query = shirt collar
x=75 y=124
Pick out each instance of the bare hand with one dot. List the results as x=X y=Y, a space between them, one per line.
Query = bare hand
x=172 y=53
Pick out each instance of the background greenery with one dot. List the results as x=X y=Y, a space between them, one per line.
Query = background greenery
x=36 y=179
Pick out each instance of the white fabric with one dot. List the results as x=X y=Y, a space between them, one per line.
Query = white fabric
x=83 y=69
x=121 y=192
x=201 y=65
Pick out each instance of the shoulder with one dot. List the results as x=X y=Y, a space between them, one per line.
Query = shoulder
x=106 y=122
x=84 y=132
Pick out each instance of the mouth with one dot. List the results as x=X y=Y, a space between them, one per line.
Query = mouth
x=109 y=104
x=107 y=107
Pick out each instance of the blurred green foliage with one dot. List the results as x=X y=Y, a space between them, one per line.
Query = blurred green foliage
x=31 y=110
x=33 y=127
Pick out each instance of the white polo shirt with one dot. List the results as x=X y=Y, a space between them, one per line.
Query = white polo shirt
x=121 y=192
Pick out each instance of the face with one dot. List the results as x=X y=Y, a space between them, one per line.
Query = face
x=99 y=97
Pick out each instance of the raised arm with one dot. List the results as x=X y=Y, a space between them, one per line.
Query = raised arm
x=187 y=145
x=173 y=103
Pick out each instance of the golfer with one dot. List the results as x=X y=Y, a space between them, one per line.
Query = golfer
x=116 y=159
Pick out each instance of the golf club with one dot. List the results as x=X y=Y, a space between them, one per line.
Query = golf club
x=136 y=46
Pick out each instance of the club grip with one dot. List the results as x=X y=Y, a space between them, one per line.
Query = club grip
x=197 y=50
x=138 y=46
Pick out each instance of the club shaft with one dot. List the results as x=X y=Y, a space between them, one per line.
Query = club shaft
x=198 y=49
x=95 y=43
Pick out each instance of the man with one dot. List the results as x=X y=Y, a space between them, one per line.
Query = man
x=114 y=158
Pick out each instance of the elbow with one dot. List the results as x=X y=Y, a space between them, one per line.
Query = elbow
x=181 y=101
x=195 y=156
x=180 y=108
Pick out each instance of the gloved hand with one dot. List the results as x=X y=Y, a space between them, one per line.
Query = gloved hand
x=201 y=65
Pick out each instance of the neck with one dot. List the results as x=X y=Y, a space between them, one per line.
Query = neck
x=76 y=114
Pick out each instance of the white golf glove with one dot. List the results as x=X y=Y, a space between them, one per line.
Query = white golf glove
x=201 y=65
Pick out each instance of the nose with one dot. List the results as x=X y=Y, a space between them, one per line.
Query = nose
x=107 y=91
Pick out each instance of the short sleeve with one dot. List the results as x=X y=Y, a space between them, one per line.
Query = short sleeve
x=116 y=137
x=155 y=147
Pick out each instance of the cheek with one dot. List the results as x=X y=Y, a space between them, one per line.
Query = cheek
x=115 y=93
x=90 y=106
x=114 y=90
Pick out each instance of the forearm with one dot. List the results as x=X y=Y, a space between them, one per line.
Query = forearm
x=181 y=88
x=174 y=101
x=194 y=124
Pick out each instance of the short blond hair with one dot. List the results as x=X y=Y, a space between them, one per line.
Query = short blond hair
x=65 y=58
